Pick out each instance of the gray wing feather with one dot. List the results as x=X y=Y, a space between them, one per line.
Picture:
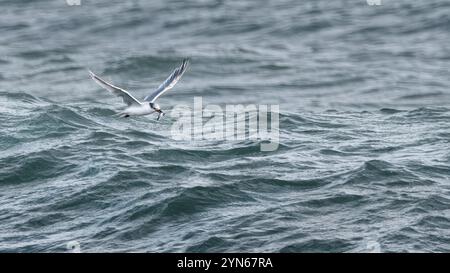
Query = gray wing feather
x=169 y=82
x=127 y=98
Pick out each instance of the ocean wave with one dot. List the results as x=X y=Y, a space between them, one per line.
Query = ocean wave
x=362 y=162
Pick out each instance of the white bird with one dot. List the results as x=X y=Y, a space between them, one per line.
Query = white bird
x=148 y=106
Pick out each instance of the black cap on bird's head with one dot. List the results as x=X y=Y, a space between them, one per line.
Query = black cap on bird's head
x=155 y=106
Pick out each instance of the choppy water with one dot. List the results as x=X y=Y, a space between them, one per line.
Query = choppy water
x=363 y=161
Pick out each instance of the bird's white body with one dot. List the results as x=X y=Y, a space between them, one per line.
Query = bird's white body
x=148 y=106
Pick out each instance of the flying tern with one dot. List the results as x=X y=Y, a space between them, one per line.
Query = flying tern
x=148 y=106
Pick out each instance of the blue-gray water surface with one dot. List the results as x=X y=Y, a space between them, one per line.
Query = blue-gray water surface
x=363 y=162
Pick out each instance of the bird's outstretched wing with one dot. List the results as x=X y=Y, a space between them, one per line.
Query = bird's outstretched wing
x=126 y=97
x=169 y=82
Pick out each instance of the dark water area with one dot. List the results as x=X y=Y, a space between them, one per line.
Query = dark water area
x=363 y=163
